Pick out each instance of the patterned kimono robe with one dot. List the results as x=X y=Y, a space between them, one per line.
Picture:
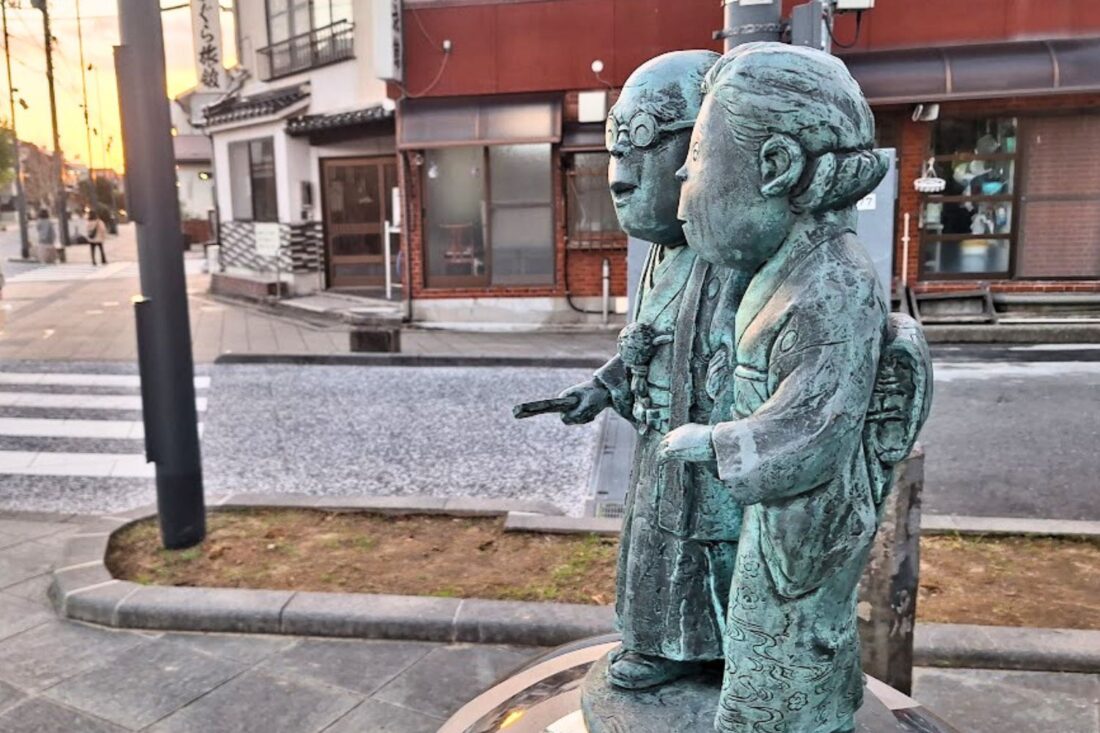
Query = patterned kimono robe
x=808 y=338
x=681 y=524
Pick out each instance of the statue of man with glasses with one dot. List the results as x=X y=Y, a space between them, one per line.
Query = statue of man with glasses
x=680 y=529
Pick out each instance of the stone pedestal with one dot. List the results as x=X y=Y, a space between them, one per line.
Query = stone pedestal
x=684 y=706
x=566 y=691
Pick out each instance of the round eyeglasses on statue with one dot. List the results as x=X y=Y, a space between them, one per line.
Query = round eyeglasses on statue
x=642 y=131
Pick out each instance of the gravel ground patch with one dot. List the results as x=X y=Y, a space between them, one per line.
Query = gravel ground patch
x=443 y=431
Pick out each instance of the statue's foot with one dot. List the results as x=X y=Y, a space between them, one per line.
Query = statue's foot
x=634 y=671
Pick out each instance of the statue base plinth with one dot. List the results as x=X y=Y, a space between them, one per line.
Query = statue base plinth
x=687 y=705
x=566 y=691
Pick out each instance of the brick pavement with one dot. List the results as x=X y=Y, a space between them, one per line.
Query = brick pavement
x=87 y=316
x=61 y=677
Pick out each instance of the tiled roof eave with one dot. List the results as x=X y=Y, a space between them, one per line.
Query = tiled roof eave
x=307 y=124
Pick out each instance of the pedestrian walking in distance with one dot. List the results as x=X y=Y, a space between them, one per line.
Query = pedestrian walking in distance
x=47 y=237
x=97 y=232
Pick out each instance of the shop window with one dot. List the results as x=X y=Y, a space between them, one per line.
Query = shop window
x=1059 y=219
x=968 y=229
x=252 y=180
x=489 y=216
x=591 y=213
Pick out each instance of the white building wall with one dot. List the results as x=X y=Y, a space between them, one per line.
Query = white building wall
x=222 y=141
x=196 y=195
x=342 y=86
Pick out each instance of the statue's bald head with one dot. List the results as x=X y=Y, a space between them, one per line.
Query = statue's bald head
x=648 y=131
x=669 y=86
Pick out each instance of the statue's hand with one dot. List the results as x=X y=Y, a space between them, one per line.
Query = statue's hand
x=688 y=443
x=592 y=399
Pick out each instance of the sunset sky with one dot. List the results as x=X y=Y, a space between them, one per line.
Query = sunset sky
x=100 y=24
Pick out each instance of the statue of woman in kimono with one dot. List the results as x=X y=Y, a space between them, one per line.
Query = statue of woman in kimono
x=828 y=392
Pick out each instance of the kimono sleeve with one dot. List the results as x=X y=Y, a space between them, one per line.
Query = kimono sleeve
x=616 y=380
x=813 y=417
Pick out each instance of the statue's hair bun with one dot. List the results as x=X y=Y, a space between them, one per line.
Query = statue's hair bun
x=838 y=180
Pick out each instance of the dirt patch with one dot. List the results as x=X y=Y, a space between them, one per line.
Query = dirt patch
x=365 y=553
x=1009 y=582
x=1052 y=583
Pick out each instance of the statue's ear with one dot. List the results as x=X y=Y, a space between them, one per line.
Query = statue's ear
x=781 y=164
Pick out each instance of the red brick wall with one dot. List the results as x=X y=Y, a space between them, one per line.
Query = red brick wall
x=585 y=271
x=915 y=147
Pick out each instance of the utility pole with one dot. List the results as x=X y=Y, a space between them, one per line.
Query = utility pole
x=747 y=22
x=103 y=145
x=164 y=333
x=59 y=160
x=20 y=200
x=87 y=124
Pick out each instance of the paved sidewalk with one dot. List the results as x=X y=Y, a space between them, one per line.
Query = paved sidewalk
x=62 y=677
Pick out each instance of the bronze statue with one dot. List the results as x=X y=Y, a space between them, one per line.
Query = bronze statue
x=773 y=392
x=828 y=392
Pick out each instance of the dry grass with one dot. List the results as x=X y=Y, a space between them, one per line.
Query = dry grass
x=1010 y=582
x=367 y=553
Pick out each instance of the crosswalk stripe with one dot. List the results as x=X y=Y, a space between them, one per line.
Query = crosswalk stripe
x=79 y=401
x=31 y=427
x=35 y=427
x=83 y=380
x=44 y=463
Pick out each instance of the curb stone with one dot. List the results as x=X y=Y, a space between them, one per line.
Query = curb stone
x=1005 y=647
x=83 y=589
x=413 y=360
x=940 y=524
x=931 y=525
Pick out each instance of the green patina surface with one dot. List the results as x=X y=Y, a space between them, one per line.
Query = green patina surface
x=772 y=390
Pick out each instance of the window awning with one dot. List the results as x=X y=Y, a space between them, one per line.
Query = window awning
x=1059 y=66
x=440 y=123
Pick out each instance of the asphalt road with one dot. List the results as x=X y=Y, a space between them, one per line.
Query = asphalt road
x=1014 y=438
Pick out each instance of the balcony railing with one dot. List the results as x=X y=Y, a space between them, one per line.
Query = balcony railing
x=319 y=47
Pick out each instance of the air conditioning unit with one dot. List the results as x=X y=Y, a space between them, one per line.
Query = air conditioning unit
x=848 y=5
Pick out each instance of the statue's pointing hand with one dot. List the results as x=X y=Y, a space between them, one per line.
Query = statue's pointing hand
x=689 y=443
x=591 y=399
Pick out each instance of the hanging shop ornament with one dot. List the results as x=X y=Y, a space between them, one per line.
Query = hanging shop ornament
x=930 y=182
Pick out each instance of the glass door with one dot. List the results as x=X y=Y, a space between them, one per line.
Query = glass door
x=355 y=195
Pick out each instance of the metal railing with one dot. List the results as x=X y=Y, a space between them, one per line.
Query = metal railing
x=318 y=47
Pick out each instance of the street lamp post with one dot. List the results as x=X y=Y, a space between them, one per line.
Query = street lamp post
x=164 y=333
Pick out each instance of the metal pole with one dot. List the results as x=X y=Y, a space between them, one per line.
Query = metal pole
x=87 y=125
x=20 y=199
x=100 y=131
x=59 y=160
x=164 y=333
x=745 y=22
x=388 y=232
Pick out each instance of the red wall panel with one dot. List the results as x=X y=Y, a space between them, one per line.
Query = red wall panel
x=549 y=45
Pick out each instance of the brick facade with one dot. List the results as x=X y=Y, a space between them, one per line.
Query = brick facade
x=1057 y=243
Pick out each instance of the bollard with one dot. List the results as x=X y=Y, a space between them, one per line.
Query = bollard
x=888 y=590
